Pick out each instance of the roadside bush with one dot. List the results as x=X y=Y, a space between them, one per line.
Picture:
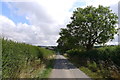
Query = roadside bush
x=103 y=61
x=92 y=66
x=73 y=52
x=105 y=54
x=115 y=55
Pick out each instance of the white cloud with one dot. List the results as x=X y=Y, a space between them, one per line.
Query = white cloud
x=44 y=11
x=25 y=33
x=113 y=4
x=58 y=9
x=100 y=2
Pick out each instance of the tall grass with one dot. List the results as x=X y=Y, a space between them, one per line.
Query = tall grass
x=16 y=56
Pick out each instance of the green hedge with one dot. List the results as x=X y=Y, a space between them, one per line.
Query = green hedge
x=16 y=55
x=103 y=62
x=73 y=52
x=106 y=53
x=111 y=53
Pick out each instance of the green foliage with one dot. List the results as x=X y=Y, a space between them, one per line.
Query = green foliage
x=88 y=26
x=73 y=52
x=46 y=53
x=90 y=73
x=15 y=56
x=111 y=53
x=104 y=62
x=106 y=53
x=92 y=66
x=47 y=70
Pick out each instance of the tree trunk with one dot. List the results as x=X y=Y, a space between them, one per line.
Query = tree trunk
x=89 y=47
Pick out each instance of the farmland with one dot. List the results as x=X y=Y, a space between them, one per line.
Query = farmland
x=20 y=60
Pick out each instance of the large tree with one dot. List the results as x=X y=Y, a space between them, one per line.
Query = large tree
x=89 y=26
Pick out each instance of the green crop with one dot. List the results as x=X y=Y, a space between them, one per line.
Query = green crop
x=17 y=55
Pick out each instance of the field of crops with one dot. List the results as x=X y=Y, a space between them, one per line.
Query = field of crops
x=20 y=57
x=103 y=62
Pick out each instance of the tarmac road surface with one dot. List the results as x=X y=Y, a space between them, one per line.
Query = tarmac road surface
x=64 y=69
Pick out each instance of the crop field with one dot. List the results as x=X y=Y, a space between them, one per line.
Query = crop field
x=20 y=60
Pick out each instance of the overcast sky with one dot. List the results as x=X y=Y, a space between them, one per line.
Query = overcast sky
x=38 y=22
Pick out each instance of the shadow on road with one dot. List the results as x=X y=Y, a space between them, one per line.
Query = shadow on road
x=64 y=69
x=63 y=64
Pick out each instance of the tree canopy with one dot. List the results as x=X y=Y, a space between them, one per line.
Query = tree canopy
x=88 y=26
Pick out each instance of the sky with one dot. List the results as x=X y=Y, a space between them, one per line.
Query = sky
x=39 y=22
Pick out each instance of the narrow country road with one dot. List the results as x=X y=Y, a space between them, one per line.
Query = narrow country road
x=64 y=69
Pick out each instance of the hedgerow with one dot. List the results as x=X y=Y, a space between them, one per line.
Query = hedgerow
x=15 y=56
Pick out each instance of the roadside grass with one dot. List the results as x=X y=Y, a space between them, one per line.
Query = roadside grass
x=47 y=70
x=20 y=60
x=84 y=68
x=98 y=63
x=89 y=72
x=93 y=71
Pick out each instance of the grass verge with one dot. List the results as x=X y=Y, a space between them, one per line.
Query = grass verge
x=47 y=70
